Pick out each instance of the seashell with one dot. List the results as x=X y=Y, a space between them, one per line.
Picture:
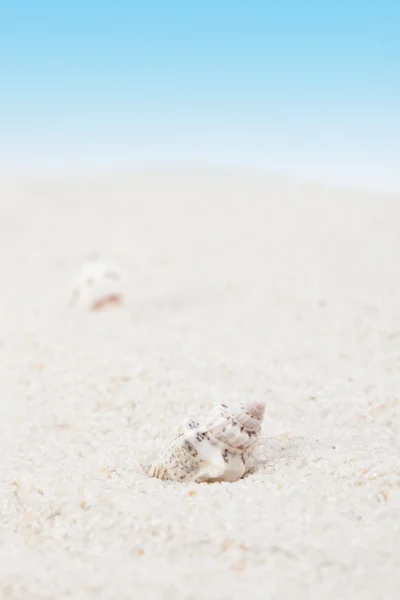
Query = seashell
x=223 y=448
x=97 y=285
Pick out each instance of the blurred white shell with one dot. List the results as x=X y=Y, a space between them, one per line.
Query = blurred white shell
x=220 y=449
x=97 y=285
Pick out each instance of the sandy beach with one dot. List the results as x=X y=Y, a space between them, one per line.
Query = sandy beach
x=238 y=285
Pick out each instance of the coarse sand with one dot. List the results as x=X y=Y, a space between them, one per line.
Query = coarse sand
x=238 y=285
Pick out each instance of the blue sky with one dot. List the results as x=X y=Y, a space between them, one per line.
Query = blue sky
x=307 y=87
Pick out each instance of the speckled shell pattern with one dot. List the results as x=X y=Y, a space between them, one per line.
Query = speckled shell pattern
x=220 y=449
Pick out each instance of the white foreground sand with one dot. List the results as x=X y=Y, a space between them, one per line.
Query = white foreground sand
x=238 y=286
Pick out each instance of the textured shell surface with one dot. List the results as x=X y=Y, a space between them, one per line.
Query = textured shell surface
x=220 y=449
x=97 y=285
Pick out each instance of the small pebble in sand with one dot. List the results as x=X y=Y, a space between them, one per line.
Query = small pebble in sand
x=97 y=285
x=220 y=449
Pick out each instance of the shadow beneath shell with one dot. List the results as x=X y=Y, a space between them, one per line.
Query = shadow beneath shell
x=272 y=451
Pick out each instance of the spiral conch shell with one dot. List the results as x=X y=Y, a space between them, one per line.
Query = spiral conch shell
x=220 y=449
x=97 y=285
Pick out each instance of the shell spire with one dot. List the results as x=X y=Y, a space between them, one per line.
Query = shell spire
x=249 y=415
x=256 y=409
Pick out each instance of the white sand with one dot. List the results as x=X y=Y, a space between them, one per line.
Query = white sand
x=237 y=286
